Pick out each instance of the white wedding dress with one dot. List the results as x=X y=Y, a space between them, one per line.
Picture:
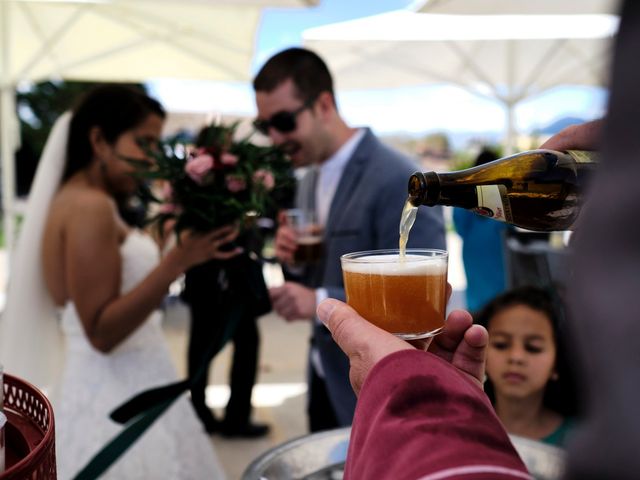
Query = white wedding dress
x=93 y=384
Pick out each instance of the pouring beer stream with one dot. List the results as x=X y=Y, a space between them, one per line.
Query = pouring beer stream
x=407 y=220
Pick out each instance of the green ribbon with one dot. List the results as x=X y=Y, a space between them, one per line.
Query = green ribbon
x=142 y=410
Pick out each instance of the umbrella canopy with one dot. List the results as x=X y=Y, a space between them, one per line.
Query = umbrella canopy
x=119 y=40
x=517 y=7
x=502 y=57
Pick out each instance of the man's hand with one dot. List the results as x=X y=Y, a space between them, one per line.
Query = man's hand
x=286 y=244
x=460 y=343
x=293 y=301
x=585 y=136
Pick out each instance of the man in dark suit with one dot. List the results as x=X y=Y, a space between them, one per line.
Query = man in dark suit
x=357 y=187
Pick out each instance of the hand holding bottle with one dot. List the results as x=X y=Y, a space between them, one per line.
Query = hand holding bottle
x=585 y=136
x=537 y=190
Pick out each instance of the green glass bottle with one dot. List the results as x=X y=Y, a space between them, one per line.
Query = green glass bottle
x=539 y=190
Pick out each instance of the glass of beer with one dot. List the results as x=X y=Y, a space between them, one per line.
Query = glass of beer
x=404 y=296
x=309 y=236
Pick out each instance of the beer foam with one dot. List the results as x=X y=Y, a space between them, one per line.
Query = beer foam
x=392 y=265
x=309 y=239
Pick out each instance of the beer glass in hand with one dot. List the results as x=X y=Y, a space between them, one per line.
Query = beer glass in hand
x=404 y=296
x=309 y=247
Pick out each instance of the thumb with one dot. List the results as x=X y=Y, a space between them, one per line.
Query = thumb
x=355 y=335
x=364 y=343
x=342 y=321
x=471 y=354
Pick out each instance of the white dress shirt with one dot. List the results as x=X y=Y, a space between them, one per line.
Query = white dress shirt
x=328 y=179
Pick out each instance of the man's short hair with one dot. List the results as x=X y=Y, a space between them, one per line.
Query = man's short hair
x=305 y=68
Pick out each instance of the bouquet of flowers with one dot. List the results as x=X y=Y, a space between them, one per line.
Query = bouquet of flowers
x=216 y=182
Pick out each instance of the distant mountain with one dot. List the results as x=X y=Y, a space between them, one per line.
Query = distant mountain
x=458 y=140
x=558 y=125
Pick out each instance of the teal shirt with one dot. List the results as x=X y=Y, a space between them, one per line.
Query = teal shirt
x=559 y=437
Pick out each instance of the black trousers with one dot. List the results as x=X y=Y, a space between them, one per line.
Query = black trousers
x=220 y=313
x=208 y=327
x=319 y=409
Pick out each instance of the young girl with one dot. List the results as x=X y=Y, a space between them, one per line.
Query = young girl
x=528 y=380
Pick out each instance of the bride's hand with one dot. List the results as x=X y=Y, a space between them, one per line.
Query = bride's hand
x=195 y=248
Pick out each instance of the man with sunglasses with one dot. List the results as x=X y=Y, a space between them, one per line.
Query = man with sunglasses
x=356 y=186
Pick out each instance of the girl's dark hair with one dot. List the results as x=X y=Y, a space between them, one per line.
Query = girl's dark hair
x=114 y=109
x=560 y=395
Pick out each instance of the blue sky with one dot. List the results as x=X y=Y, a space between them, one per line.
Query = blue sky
x=411 y=110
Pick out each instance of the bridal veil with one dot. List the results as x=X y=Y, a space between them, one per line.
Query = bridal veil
x=30 y=337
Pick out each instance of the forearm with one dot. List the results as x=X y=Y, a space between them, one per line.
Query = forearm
x=447 y=423
x=124 y=314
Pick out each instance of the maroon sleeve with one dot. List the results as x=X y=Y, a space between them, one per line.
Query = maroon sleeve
x=420 y=418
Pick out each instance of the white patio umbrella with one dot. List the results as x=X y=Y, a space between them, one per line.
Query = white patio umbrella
x=516 y=7
x=118 y=40
x=506 y=58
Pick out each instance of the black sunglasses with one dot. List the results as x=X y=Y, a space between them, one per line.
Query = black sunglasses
x=282 y=121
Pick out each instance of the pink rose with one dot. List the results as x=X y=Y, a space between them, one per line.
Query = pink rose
x=264 y=177
x=235 y=183
x=198 y=168
x=228 y=159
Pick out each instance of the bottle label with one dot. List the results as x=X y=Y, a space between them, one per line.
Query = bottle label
x=581 y=156
x=493 y=202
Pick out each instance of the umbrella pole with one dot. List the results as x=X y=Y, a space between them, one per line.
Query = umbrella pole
x=7 y=132
x=510 y=139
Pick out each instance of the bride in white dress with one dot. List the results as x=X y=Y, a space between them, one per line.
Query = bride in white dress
x=108 y=280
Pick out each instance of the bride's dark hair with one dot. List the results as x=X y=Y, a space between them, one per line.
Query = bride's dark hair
x=114 y=109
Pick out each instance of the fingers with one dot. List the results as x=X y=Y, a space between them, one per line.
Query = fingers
x=471 y=355
x=281 y=302
x=219 y=255
x=293 y=301
x=453 y=332
x=585 y=136
x=286 y=244
x=224 y=235
x=463 y=344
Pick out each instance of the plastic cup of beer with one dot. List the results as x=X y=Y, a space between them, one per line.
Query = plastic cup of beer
x=309 y=236
x=404 y=296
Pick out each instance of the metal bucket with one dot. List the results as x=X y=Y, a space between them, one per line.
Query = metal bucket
x=321 y=456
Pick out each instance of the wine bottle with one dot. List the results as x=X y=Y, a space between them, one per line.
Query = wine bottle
x=538 y=190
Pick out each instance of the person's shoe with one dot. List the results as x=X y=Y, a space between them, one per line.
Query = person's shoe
x=209 y=421
x=248 y=430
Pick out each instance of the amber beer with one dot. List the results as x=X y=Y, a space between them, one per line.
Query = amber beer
x=309 y=249
x=406 y=297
